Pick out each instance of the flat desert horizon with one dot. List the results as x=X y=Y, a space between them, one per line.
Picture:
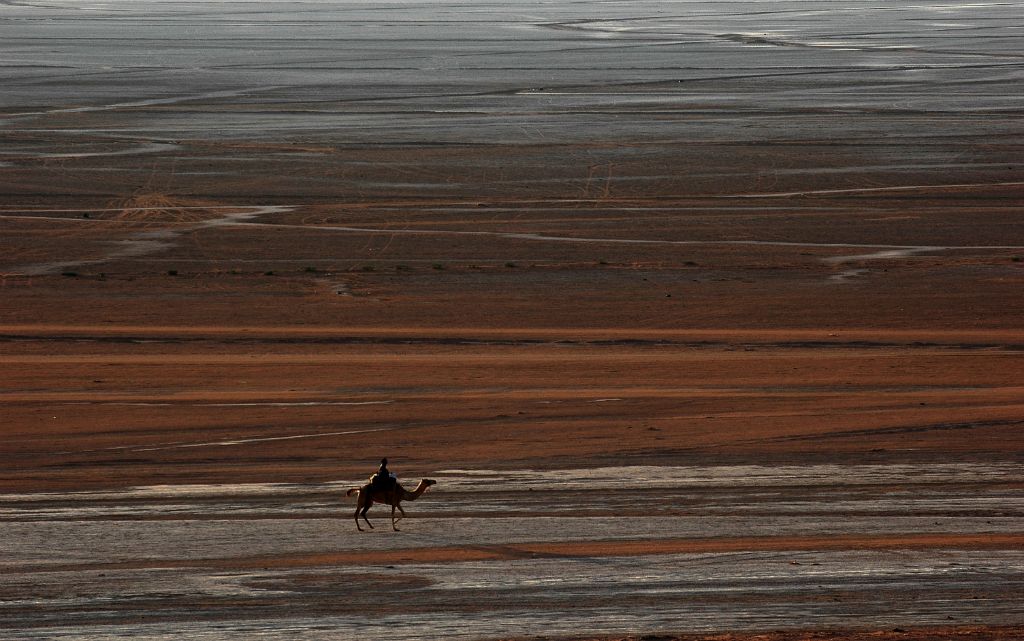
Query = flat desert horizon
x=703 y=317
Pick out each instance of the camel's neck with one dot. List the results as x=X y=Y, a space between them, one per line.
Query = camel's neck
x=415 y=494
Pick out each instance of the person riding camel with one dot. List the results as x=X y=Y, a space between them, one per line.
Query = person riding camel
x=383 y=479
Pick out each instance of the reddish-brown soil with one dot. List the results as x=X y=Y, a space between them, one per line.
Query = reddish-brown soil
x=302 y=355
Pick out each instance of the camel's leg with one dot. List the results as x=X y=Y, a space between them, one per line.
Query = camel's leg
x=356 y=515
x=366 y=508
x=359 y=506
x=394 y=521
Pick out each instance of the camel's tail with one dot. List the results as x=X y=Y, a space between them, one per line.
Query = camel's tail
x=352 y=491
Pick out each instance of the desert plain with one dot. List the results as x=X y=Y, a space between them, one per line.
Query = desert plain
x=705 y=318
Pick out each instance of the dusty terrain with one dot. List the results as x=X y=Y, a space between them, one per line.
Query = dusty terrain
x=705 y=318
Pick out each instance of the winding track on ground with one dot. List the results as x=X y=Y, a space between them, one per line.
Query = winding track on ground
x=146 y=243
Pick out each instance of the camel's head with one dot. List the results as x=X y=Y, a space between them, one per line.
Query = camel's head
x=427 y=483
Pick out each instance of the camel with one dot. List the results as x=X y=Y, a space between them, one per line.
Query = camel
x=393 y=497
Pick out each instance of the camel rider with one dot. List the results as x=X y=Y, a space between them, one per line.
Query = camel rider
x=383 y=479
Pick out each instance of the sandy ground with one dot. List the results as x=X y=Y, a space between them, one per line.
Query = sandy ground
x=927 y=634
x=705 y=318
